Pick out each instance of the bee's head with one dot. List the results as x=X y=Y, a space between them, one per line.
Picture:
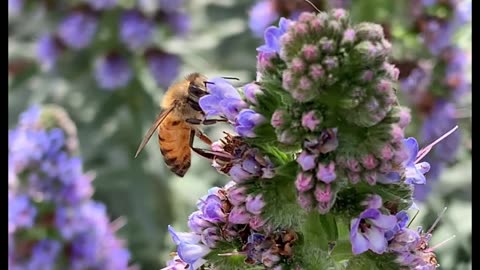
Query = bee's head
x=196 y=89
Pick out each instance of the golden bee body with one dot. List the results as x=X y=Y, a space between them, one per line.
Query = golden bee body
x=175 y=134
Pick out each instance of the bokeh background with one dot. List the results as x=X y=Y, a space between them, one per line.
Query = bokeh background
x=108 y=64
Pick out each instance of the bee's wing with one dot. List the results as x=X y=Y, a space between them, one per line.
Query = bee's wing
x=161 y=116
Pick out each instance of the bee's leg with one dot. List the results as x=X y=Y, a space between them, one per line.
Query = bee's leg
x=204 y=121
x=203 y=137
x=202 y=152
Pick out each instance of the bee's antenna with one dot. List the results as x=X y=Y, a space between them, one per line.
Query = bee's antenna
x=207 y=82
x=230 y=78
x=311 y=4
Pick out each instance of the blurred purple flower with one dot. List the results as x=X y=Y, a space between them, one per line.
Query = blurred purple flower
x=135 y=29
x=21 y=213
x=440 y=120
x=164 y=67
x=48 y=49
x=262 y=15
x=15 y=7
x=78 y=29
x=112 y=72
x=179 y=22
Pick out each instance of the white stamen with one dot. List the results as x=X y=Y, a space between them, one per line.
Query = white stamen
x=311 y=4
x=436 y=221
x=422 y=153
x=416 y=214
x=118 y=223
x=440 y=244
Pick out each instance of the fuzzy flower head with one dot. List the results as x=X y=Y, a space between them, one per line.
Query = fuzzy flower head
x=262 y=15
x=135 y=29
x=78 y=29
x=163 y=66
x=51 y=192
x=49 y=48
x=112 y=71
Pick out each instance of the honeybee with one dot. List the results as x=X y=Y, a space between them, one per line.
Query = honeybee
x=177 y=123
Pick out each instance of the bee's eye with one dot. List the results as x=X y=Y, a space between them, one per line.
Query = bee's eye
x=196 y=91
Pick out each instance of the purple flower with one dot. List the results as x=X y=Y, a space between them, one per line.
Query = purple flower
x=164 y=67
x=78 y=29
x=21 y=212
x=413 y=172
x=237 y=195
x=112 y=72
x=102 y=4
x=239 y=215
x=255 y=204
x=48 y=49
x=272 y=37
x=251 y=91
x=262 y=15
x=310 y=121
x=368 y=231
x=402 y=218
x=44 y=254
x=404 y=240
x=223 y=100
x=197 y=222
x=188 y=247
x=135 y=29
x=304 y=182
x=246 y=121
x=326 y=172
x=212 y=209
x=306 y=161
x=238 y=174
x=210 y=236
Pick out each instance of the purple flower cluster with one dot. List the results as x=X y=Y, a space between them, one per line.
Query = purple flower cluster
x=435 y=88
x=437 y=32
x=230 y=214
x=77 y=31
x=411 y=248
x=377 y=230
x=315 y=182
x=240 y=161
x=50 y=194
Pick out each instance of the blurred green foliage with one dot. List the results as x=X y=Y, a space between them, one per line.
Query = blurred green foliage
x=111 y=124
